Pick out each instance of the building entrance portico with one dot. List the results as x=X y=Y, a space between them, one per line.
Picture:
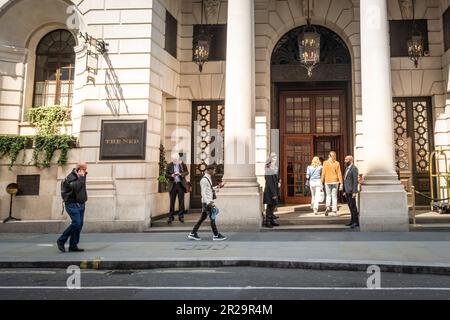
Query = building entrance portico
x=312 y=123
x=365 y=97
x=314 y=115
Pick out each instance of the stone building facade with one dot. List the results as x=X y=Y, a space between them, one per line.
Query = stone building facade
x=138 y=79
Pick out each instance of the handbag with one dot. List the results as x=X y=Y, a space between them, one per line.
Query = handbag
x=307 y=189
x=321 y=196
x=214 y=212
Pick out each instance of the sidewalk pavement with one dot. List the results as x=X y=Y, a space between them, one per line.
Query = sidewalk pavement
x=411 y=252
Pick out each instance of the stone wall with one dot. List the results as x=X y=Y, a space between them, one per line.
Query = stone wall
x=138 y=79
x=132 y=79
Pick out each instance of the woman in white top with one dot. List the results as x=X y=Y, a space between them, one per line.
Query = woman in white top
x=313 y=174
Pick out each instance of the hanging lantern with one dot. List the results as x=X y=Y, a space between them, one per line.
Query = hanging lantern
x=201 y=49
x=309 y=44
x=309 y=47
x=415 y=49
x=202 y=44
x=415 y=43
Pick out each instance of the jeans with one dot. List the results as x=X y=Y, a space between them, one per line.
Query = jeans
x=315 y=187
x=205 y=212
x=331 y=190
x=76 y=213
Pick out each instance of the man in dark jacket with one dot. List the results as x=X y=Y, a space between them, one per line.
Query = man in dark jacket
x=176 y=173
x=351 y=190
x=75 y=198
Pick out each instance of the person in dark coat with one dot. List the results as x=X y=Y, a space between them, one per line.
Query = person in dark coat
x=271 y=190
x=74 y=202
x=351 y=184
x=176 y=173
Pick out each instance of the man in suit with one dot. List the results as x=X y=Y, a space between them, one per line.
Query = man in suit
x=351 y=190
x=176 y=173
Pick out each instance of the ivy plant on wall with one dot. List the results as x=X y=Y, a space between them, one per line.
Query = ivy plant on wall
x=48 y=122
x=11 y=146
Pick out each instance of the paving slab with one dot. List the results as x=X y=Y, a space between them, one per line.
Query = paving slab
x=414 y=252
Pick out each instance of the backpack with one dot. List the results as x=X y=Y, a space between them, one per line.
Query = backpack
x=66 y=189
x=66 y=192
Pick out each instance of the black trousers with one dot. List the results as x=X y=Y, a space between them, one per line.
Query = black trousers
x=353 y=208
x=177 y=190
x=269 y=212
x=205 y=212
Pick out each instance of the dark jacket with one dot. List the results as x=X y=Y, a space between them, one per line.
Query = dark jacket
x=78 y=186
x=183 y=171
x=271 y=187
x=351 y=180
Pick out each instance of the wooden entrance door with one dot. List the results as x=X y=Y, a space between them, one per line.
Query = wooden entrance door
x=297 y=156
x=311 y=124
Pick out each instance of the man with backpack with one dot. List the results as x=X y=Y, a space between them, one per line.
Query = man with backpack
x=74 y=195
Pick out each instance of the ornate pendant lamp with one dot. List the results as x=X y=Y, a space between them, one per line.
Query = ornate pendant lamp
x=415 y=43
x=202 y=45
x=309 y=46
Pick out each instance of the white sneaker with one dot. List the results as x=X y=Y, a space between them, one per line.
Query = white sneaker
x=219 y=237
x=195 y=237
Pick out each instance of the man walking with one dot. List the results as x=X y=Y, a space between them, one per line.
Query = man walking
x=208 y=197
x=351 y=190
x=74 y=194
x=177 y=172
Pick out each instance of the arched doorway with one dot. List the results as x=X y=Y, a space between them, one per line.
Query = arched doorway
x=314 y=115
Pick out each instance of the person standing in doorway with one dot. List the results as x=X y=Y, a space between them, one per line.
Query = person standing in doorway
x=332 y=178
x=351 y=184
x=176 y=173
x=314 y=174
x=271 y=190
x=208 y=205
x=74 y=195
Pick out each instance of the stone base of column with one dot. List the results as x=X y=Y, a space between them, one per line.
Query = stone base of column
x=240 y=209
x=383 y=205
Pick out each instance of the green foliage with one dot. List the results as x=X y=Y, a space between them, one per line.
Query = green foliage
x=11 y=146
x=162 y=165
x=47 y=145
x=49 y=120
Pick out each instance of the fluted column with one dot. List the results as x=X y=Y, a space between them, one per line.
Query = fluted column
x=240 y=199
x=383 y=198
x=240 y=95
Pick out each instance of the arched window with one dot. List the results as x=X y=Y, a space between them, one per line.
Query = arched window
x=55 y=66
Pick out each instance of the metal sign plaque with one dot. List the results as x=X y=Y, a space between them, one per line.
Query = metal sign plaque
x=123 y=140
x=28 y=185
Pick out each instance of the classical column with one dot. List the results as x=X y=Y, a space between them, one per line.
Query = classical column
x=240 y=199
x=383 y=204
